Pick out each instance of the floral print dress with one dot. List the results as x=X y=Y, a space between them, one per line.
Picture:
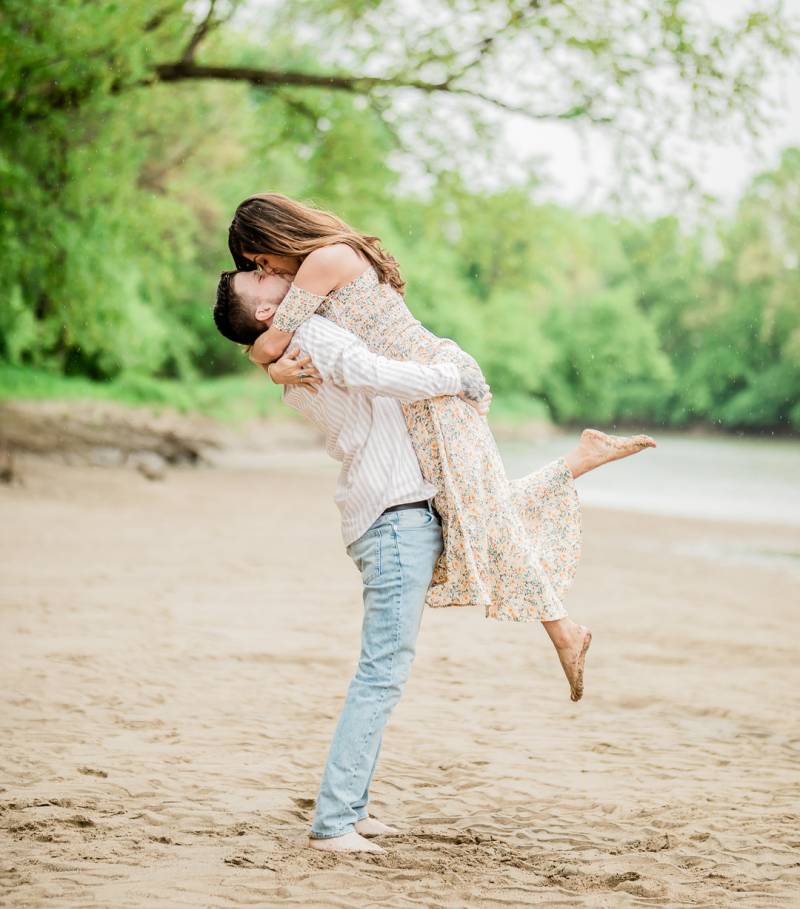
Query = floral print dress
x=510 y=546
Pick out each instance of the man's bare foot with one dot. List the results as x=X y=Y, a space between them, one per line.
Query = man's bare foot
x=370 y=826
x=571 y=642
x=597 y=448
x=349 y=842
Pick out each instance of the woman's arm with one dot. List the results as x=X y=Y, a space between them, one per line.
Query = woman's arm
x=269 y=347
x=320 y=272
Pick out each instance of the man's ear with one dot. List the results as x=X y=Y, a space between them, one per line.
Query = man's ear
x=264 y=311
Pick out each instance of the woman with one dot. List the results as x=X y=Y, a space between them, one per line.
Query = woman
x=510 y=546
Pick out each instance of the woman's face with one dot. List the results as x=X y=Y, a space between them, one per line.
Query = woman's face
x=283 y=266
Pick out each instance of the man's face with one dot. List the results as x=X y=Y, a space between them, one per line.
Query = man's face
x=261 y=292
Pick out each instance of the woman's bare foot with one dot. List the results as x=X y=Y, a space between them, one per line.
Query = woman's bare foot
x=349 y=842
x=370 y=826
x=597 y=448
x=571 y=642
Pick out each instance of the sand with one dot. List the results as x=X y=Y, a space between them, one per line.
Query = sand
x=175 y=653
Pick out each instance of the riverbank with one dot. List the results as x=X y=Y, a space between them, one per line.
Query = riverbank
x=238 y=399
x=175 y=654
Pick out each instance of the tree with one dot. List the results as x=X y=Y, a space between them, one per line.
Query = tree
x=747 y=347
x=603 y=62
x=129 y=132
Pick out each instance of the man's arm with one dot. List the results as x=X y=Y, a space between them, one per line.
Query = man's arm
x=344 y=359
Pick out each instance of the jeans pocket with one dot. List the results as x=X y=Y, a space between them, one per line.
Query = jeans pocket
x=366 y=553
x=417 y=517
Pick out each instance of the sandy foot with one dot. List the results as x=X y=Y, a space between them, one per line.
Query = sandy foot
x=597 y=448
x=350 y=842
x=573 y=658
x=370 y=826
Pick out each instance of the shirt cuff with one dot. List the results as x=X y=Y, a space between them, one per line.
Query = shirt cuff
x=452 y=379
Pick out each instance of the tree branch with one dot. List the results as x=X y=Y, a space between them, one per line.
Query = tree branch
x=200 y=32
x=263 y=78
x=160 y=16
x=300 y=108
x=188 y=69
x=486 y=44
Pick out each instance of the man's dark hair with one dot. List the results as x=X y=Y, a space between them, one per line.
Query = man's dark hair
x=232 y=317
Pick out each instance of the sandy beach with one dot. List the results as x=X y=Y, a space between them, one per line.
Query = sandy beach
x=175 y=653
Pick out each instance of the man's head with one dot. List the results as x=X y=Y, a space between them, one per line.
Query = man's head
x=246 y=303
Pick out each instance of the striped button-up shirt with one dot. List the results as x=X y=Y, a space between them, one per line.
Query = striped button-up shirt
x=358 y=410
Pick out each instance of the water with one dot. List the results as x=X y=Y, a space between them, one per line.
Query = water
x=714 y=477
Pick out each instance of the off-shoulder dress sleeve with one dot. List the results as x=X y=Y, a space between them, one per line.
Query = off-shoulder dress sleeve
x=297 y=306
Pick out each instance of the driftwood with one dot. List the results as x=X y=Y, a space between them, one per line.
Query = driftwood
x=103 y=433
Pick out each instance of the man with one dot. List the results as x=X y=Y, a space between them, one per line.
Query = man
x=388 y=525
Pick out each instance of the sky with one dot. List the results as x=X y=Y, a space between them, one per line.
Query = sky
x=582 y=174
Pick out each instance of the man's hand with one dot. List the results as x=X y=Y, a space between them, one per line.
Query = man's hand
x=269 y=346
x=292 y=369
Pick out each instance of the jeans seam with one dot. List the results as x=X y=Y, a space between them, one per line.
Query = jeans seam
x=398 y=606
x=379 y=704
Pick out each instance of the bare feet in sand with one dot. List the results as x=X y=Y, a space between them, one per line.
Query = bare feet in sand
x=370 y=826
x=597 y=448
x=571 y=642
x=350 y=842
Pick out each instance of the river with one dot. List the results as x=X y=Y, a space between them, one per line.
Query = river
x=718 y=477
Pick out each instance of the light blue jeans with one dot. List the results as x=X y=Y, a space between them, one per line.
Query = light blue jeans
x=396 y=557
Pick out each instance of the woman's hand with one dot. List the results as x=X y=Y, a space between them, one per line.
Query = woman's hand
x=474 y=389
x=482 y=406
x=269 y=346
x=292 y=369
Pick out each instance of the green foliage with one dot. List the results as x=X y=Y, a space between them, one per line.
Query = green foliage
x=609 y=364
x=231 y=398
x=117 y=191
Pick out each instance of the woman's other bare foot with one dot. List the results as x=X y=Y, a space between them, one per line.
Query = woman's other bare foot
x=349 y=842
x=370 y=826
x=571 y=642
x=597 y=448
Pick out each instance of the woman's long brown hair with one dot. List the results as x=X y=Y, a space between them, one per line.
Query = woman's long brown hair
x=274 y=224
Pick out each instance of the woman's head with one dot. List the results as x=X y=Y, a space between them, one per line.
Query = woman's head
x=275 y=232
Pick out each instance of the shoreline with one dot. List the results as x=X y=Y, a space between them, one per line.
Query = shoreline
x=262 y=407
x=690 y=474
